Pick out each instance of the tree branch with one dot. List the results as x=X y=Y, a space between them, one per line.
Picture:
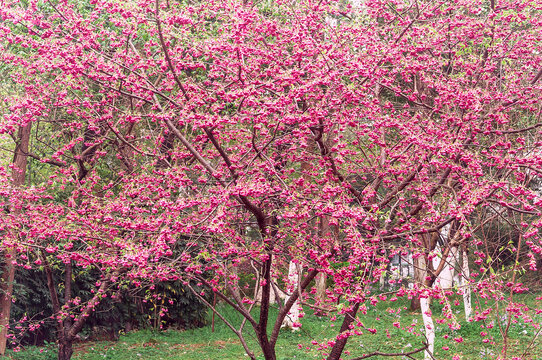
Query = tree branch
x=378 y=353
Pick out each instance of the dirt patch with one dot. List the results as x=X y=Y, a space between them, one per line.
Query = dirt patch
x=219 y=344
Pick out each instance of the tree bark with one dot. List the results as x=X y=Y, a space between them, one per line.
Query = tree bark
x=424 y=272
x=65 y=349
x=324 y=230
x=292 y=318
x=429 y=327
x=420 y=273
x=338 y=348
x=65 y=343
x=445 y=279
x=465 y=284
x=419 y=302
x=321 y=287
x=20 y=162
x=67 y=328
x=261 y=328
x=425 y=276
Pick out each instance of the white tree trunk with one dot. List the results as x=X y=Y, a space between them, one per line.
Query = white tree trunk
x=272 y=294
x=292 y=319
x=465 y=284
x=420 y=272
x=429 y=327
x=445 y=279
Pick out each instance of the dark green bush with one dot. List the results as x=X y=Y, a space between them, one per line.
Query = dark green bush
x=164 y=305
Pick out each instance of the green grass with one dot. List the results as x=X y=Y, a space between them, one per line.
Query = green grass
x=202 y=344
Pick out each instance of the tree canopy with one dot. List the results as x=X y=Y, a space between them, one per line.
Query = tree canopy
x=194 y=140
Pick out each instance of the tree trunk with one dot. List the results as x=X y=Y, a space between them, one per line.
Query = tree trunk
x=20 y=162
x=5 y=302
x=321 y=287
x=423 y=268
x=338 y=348
x=425 y=276
x=272 y=295
x=465 y=284
x=267 y=350
x=324 y=230
x=65 y=349
x=65 y=343
x=429 y=327
x=292 y=319
x=420 y=273
x=446 y=278
x=415 y=304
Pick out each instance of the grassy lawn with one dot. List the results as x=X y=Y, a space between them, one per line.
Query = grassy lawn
x=202 y=344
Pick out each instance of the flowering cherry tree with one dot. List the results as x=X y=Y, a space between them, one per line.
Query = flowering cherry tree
x=190 y=140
